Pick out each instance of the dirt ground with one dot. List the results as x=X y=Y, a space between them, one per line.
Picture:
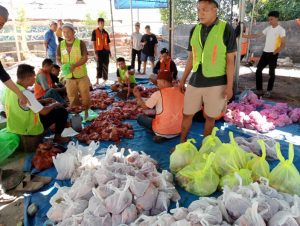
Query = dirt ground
x=286 y=88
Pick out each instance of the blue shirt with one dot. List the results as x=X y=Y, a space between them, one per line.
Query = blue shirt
x=50 y=37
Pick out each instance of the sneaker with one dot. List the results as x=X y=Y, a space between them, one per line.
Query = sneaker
x=267 y=94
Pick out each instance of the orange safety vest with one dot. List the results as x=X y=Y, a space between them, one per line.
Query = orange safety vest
x=38 y=89
x=168 y=122
x=165 y=65
x=101 y=40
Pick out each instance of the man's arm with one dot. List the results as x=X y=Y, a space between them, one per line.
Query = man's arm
x=139 y=99
x=174 y=69
x=187 y=70
x=46 y=40
x=282 y=45
x=12 y=86
x=230 y=74
x=156 y=67
x=257 y=35
x=83 y=58
x=58 y=55
x=47 y=109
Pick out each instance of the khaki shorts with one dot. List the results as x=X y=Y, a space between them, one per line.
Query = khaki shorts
x=211 y=98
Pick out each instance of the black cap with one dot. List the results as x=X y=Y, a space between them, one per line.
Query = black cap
x=164 y=50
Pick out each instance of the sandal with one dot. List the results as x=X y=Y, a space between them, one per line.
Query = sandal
x=5 y=198
x=37 y=178
x=11 y=178
x=29 y=186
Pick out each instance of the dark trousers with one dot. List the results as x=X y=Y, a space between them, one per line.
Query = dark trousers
x=266 y=59
x=133 y=54
x=57 y=116
x=102 y=64
x=145 y=121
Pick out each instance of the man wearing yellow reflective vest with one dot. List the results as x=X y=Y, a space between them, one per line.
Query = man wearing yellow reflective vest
x=72 y=55
x=212 y=48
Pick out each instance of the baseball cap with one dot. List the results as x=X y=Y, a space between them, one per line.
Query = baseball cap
x=165 y=75
x=217 y=2
x=164 y=50
x=68 y=25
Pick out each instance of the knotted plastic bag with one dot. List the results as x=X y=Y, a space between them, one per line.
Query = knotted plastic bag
x=203 y=181
x=232 y=180
x=9 y=143
x=184 y=154
x=259 y=166
x=285 y=176
x=210 y=143
x=230 y=157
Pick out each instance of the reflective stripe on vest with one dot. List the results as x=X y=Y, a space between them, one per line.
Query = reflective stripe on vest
x=168 y=122
x=72 y=57
x=38 y=89
x=213 y=55
x=165 y=65
x=101 y=40
x=19 y=121
x=122 y=73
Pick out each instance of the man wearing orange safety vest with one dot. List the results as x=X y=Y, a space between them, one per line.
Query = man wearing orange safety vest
x=164 y=64
x=212 y=47
x=168 y=103
x=101 y=41
x=44 y=86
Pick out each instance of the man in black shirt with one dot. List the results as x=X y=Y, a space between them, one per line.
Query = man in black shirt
x=4 y=77
x=149 y=42
x=212 y=47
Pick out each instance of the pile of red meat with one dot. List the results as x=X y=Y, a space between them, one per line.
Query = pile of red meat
x=146 y=92
x=107 y=126
x=43 y=156
x=128 y=109
x=100 y=100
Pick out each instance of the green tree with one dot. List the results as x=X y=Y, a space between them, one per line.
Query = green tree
x=288 y=9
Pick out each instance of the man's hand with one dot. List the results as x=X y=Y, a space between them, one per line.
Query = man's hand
x=228 y=93
x=276 y=51
x=182 y=86
x=96 y=56
x=136 y=92
x=23 y=99
x=72 y=68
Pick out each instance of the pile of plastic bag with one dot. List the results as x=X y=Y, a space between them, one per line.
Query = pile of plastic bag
x=252 y=205
x=245 y=114
x=216 y=164
x=110 y=189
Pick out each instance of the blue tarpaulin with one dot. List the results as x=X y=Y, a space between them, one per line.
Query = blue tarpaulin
x=141 y=4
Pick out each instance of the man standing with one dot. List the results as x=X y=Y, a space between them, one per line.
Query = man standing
x=101 y=41
x=72 y=54
x=149 y=42
x=136 y=38
x=59 y=31
x=164 y=64
x=275 y=42
x=4 y=77
x=50 y=42
x=212 y=47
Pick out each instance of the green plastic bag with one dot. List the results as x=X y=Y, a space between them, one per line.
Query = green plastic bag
x=202 y=182
x=285 y=176
x=210 y=143
x=230 y=157
x=8 y=144
x=259 y=165
x=184 y=154
x=232 y=180
x=65 y=69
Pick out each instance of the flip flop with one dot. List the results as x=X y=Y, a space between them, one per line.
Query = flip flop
x=5 y=198
x=11 y=178
x=37 y=178
x=30 y=186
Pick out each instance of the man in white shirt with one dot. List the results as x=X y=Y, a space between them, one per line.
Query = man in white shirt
x=136 y=38
x=275 y=42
